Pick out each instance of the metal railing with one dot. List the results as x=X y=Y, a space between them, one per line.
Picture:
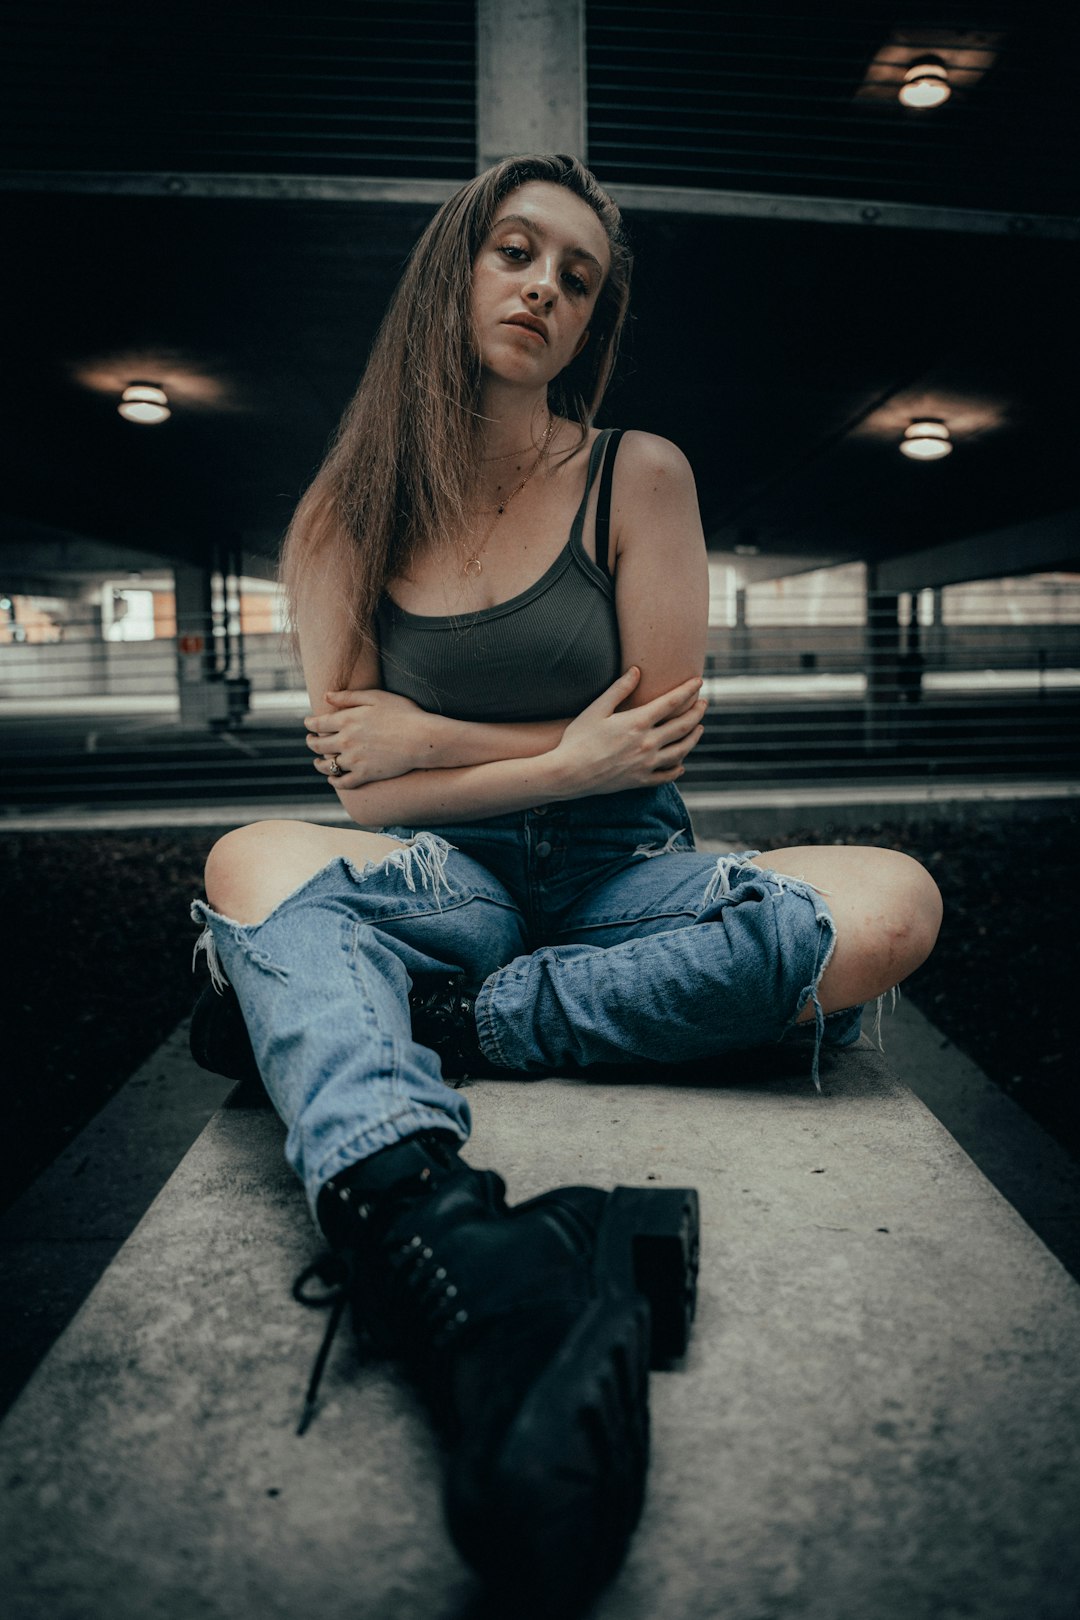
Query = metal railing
x=891 y=699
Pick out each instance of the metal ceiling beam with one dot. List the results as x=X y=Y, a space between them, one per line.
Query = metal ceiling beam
x=1023 y=548
x=257 y=187
x=681 y=200
x=780 y=565
x=30 y=548
x=842 y=211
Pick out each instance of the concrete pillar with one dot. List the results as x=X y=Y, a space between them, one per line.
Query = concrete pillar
x=935 y=636
x=912 y=661
x=740 y=636
x=882 y=658
x=203 y=698
x=530 y=82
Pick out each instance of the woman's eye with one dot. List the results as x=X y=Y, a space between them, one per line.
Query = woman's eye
x=517 y=254
x=576 y=283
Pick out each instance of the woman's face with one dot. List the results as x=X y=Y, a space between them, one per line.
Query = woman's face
x=536 y=281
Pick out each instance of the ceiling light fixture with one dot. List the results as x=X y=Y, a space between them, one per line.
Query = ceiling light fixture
x=145 y=403
x=926 y=440
x=926 y=84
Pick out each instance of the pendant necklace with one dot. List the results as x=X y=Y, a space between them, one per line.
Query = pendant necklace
x=473 y=565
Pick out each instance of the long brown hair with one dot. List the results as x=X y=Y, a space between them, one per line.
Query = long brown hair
x=402 y=464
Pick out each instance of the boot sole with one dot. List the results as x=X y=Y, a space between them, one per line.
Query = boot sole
x=660 y=1230
x=549 y=1521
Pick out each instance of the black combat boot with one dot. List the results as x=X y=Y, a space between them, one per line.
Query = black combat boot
x=218 y=1036
x=443 y=1017
x=530 y=1331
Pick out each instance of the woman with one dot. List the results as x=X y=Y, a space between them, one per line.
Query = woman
x=513 y=709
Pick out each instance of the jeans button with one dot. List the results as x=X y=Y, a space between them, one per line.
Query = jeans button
x=543 y=848
x=539 y=810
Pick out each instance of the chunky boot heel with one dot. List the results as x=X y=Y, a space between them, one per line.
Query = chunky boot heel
x=663 y=1227
x=531 y=1330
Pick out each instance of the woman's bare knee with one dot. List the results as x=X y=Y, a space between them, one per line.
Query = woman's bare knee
x=252 y=869
x=887 y=910
x=922 y=913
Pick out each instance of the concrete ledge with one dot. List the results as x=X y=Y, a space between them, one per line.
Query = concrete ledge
x=57 y=1239
x=879 y=1418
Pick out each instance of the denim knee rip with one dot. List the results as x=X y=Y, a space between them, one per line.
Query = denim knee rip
x=422 y=857
x=720 y=887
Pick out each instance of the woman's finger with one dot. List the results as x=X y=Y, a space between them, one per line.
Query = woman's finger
x=679 y=749
x=325 y=766
x=326 y=743
x=671 y=703
x=680 y=724
x=347 y=700
x=617 y=693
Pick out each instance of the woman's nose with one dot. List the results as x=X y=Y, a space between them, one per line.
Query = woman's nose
x=542 y=290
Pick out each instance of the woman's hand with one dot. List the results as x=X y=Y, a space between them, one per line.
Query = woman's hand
x=372 y=735
x=603 y=751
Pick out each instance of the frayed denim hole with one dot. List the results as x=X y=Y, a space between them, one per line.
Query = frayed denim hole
x=203 y=912
x=826 y=926
x=208 y=945
x=894 y=997
x=809 y=994
x=719 y=885
x=423 y=857
x=240 y=934
x=672 y=846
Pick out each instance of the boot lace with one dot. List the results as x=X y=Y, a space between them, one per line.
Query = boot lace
x=427 y=1296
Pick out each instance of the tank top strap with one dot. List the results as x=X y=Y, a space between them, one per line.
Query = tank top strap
x=609 y=436
x=603 y=503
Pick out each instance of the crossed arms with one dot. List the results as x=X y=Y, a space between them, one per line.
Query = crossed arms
x=401 y=764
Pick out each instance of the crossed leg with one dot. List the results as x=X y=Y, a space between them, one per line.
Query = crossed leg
x=677 y=959
x=886 y=909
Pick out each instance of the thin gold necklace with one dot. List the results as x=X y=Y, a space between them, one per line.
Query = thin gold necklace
x=473 y=565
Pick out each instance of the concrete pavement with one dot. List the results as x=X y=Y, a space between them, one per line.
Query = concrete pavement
x=879 y=1418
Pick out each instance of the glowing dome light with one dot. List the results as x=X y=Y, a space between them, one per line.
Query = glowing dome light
x=145 y=403
x=926 y=84
x=926 y=440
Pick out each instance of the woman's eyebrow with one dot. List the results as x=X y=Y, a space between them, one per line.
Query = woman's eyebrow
x=538 y=230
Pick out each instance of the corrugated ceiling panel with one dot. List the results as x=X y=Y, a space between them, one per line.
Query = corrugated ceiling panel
x=266 y=86
x=780 y=97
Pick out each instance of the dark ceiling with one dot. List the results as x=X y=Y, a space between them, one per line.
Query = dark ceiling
x=786 y=356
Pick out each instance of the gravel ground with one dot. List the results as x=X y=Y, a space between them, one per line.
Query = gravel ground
x=101 y=969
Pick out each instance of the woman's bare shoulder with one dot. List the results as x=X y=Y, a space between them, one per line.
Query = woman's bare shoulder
x=646 y=456
x=654 y=494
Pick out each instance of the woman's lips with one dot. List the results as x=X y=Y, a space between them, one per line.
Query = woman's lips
x=525 y=326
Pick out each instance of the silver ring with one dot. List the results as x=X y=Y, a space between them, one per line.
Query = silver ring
x=335 y=767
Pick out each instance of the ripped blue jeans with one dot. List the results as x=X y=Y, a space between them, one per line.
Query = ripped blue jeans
x=592 y=930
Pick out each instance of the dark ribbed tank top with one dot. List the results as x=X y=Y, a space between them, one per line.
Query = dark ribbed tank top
x=546 y=653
